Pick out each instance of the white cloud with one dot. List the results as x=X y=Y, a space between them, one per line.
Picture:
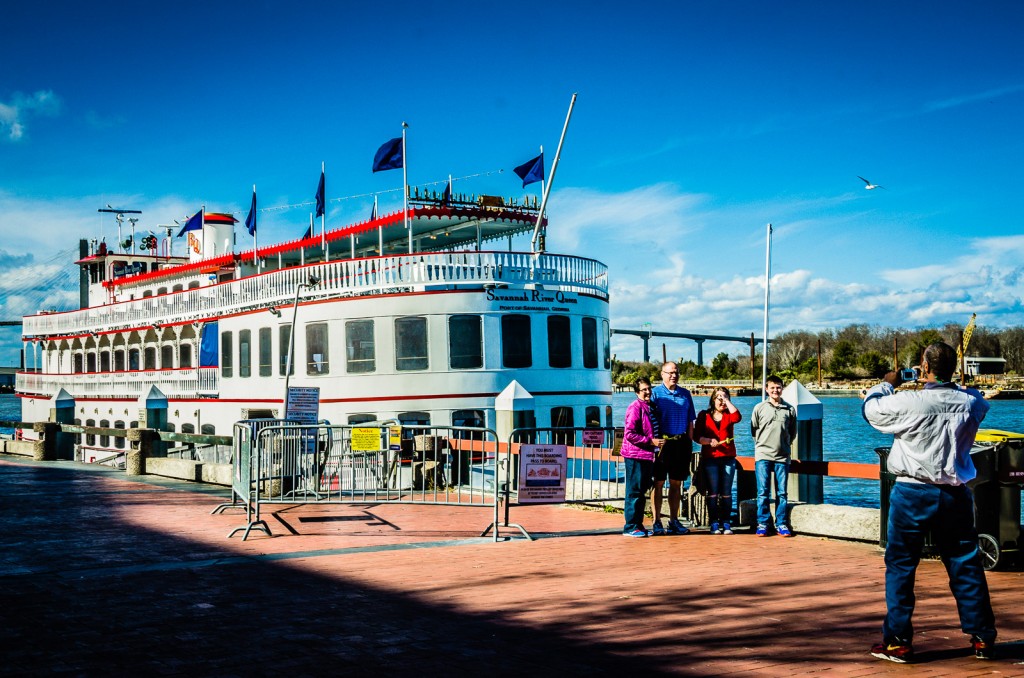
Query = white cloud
x=21 y=107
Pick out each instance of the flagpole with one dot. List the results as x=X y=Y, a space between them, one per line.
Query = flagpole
x=542 y=178
x=202 y=231
x=380 y=229
x=323 y=218
x=551 y=176
x=255 y=240
x=405 y=186
x=767 y=296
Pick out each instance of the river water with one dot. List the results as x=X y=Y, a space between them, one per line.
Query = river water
x=845 y=436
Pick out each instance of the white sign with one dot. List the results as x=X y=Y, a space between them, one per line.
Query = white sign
x=542 y=474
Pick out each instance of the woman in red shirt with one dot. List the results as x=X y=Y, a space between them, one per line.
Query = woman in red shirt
x=713 y=431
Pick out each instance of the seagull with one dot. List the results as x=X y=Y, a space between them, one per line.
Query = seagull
x=870 y=186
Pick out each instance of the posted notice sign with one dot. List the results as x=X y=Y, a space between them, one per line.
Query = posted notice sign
x=303 y=404
x=542 y=474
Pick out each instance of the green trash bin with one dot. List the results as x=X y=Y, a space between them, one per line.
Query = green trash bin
x=886 y=480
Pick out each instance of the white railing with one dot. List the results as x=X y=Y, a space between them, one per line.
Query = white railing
x=338 y=278
x=185 y=382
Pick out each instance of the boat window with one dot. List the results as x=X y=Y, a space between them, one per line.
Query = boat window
x=360 y=350
x=149 y=358
x=188 y=428
x=178 y=288
x=516 y=345
x=185 y=355
x=90 y=438
x=76 y=362
x=266 y=352
x=193 y=285
x=559 y=341
x=283 y=339
x=227 y=359
x=161 y=290
x=354 y=419
x=167 y=357
x=245 y=353
x=465 y=342
x=471 y=418
x=606 y=334
x=208 y=430
x=590 y=343
x=133 y=359
x=561 y=417
x=593 y=416
x=607 y=416
x=104 y=361
x=411 y=344
x=147 y=293
x=90 y=362
x=78 y=436
x=317 y=358
x=119 y=440
x=104 y=438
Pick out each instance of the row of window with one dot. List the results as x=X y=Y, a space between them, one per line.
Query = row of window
x=91 y=439
x=148 y=358
x=411 y=345
x=560 y=417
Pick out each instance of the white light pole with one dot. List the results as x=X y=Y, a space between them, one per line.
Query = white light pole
x=312 y=281
x=767 y=298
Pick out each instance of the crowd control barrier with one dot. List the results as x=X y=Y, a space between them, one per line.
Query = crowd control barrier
x=563 y=465
x=375 y=462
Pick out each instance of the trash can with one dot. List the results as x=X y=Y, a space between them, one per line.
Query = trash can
x=886 y=480
x=999 y=460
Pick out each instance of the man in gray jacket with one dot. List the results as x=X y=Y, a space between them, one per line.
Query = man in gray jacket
x=933 y=429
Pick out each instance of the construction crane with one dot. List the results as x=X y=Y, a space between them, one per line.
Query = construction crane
x=962 y=348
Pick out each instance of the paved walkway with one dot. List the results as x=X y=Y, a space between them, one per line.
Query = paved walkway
x=100 y=575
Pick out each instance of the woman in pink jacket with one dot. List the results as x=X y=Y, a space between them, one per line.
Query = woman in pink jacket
x=639 y=445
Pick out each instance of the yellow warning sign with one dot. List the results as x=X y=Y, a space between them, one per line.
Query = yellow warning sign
x=366 y=440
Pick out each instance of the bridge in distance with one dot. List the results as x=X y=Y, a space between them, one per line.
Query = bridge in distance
x=647 y=335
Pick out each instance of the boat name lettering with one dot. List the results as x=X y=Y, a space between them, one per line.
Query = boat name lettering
x=533 y=296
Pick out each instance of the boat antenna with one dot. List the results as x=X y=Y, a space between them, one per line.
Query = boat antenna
x=551 y=180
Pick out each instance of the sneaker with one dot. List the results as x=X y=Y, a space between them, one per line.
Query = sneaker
x=676 y=527
x=659 y=530
x=726 y=529
x=982 y=649
x=637 y=533
x=895 y=651
x=715 y=529
x=762 y=531
x=783 y=531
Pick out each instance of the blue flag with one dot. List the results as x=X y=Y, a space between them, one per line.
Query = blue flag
x=373 y=214
x=531 y=171
x=320 y=202
x=447 y=197
x=389 y=156
x=250 y=221
x=193 y=224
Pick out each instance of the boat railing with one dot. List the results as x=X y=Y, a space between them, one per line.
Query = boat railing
x=184 y=382
x=346 y=277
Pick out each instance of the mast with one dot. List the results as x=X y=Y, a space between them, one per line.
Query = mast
x=551 y=178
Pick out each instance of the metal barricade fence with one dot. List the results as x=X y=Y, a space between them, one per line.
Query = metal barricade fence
x=593 y=470
x=375 y=462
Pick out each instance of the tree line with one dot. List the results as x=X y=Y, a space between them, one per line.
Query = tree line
x=854 y=352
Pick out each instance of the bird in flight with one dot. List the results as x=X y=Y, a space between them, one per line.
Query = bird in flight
x=868 y=185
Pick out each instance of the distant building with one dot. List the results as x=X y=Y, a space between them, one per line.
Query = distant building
x=975 y=365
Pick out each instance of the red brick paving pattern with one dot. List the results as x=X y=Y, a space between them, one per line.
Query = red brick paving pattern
x=102 y=575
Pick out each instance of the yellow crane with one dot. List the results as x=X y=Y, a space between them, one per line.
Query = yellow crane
x=962 y=348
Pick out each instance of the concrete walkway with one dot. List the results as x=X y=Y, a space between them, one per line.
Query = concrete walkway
x=100 y=575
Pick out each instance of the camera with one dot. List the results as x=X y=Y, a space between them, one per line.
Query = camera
x=909 y=374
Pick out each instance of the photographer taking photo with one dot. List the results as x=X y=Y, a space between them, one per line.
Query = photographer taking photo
x=933 y=429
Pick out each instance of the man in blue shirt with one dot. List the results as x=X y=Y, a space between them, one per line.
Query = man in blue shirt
x=676 y=415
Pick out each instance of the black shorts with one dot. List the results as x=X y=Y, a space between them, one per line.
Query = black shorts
x=674 y=460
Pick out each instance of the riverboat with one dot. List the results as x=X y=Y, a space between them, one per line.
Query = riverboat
x=422 y=318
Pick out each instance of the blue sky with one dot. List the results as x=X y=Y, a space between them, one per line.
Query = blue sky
x=696 y=125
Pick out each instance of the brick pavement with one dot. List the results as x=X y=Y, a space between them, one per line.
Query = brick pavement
x=100 y=574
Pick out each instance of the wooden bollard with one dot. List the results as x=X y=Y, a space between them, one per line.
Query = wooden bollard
x=45 y=449
x=135 y=460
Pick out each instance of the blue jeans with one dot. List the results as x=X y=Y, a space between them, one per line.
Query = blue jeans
x=720 y=473
x=763 y=472
x=639 y=480
x=948 y=511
